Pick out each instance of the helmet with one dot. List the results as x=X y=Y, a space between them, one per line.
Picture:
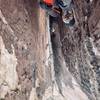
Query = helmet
x=68 y=18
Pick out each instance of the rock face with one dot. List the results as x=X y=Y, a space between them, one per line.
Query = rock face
x=38 y=65
x=8 y=74
x=80 y=50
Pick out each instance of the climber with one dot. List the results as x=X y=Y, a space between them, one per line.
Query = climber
x=58 y=8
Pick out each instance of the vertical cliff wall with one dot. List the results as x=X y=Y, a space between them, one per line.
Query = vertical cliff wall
x=38 y=65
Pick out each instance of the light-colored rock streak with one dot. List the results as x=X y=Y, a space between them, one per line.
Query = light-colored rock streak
x=95 y=50
x=3 y=18
x=6 y=24
x=8 y=74
x=74 y=93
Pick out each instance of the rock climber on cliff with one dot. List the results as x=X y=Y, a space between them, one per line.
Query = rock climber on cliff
x=56 y=8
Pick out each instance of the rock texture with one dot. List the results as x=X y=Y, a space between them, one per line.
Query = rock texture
x=38 y=65
x=8 y=74
x=80 y=50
